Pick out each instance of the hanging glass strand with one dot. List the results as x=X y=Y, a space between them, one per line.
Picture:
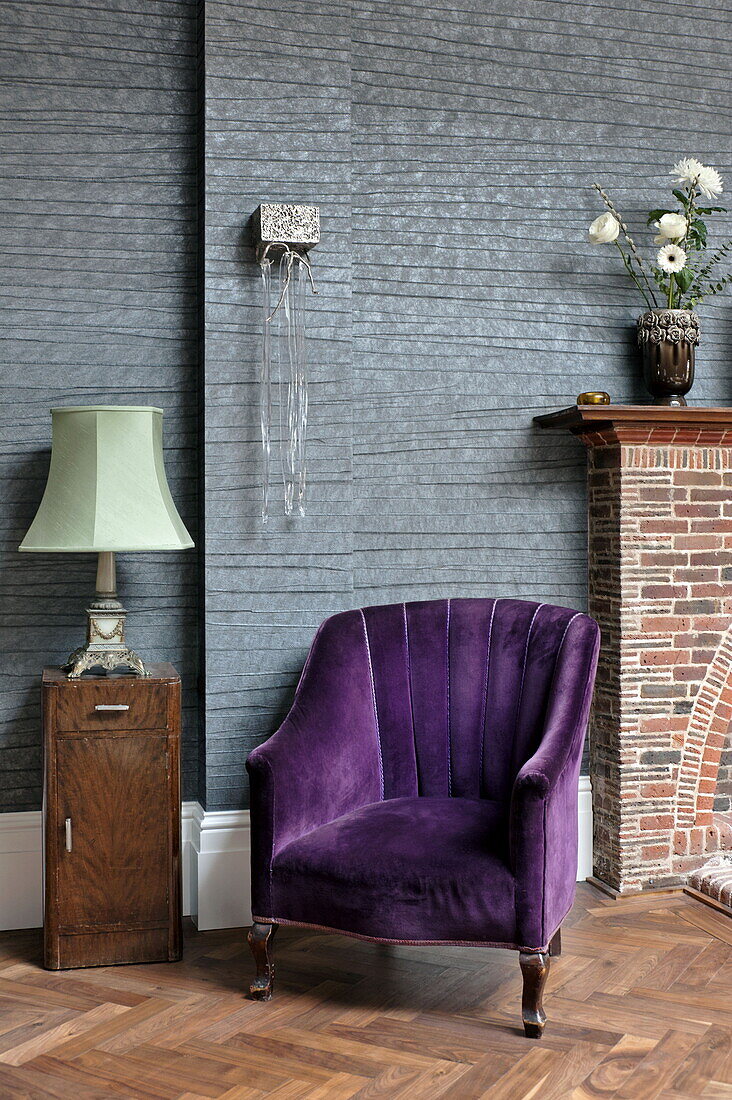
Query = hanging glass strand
x=265 y=393
x=286 y=374
x=301 y=386
x=284 y=379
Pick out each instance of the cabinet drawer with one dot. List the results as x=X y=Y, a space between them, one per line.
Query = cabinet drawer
x=112 y=705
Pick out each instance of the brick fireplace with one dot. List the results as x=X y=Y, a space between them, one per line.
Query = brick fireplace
x=660 y=573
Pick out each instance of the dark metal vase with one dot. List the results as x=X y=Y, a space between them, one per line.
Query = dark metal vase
x=667 y=338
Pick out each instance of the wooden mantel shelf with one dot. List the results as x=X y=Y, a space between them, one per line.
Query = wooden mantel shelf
x=583 y=418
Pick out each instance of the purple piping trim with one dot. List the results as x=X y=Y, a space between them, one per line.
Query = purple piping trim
x=449 y=731
x=543 y=881
x=373 y=699
x=576 y=615
x=554 y=675
x=409 y=686
x=387 y=939
x=523 y=670
x=318 y=632
x=274 y=830
x=485 y=696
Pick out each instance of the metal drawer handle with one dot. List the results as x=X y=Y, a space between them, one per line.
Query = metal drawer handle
x=67 y=825
x=112 y=706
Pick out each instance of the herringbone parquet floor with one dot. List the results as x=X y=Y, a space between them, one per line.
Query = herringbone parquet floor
x=639 y=1006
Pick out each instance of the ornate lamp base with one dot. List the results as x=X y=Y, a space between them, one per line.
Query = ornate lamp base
x=105 y=632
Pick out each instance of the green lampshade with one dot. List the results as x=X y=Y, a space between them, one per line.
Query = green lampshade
x=106 y=488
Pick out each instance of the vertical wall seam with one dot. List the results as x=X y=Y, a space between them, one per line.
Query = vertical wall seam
x=447 y=695
x=485 y=699
x=373 y=699
x=409 y=688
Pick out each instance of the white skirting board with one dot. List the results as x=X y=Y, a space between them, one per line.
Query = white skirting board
x=584 y=829
x=219 y=875
x=21 y=870
x=215 y=864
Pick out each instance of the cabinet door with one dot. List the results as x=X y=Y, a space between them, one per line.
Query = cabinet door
x=113 y=791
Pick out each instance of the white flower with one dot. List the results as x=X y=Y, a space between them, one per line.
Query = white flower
x=671 y=258
x=605 y=229
x=670 y=227
x=687 y=170
x=710 y=182
x=691 y=170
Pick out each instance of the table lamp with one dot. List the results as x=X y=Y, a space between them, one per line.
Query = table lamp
x=106 y=492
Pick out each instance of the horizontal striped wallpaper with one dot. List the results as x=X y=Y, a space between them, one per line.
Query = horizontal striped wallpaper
x=451 y=148
x=98 y=301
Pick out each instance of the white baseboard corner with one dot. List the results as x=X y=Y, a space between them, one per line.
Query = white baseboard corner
x=215 y=857
x=21 y=870
x=219 y=875
x=584 y=829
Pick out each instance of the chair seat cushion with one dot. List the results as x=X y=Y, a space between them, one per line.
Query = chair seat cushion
x=408 y=869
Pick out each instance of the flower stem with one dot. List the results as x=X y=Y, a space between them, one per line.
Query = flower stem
x=690 y=213
x=629 y=269
x=671 y=285
x=631 y=244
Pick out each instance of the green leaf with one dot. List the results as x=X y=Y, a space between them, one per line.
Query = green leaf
x=681 y=196
x=659 y=278
x=656 y=214
x=697 y=235
x=712 y=209
x=684 y=279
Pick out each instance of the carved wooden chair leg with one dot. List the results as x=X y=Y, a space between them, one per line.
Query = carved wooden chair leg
x=260 y=940
x=535 y=968
x=555 y=947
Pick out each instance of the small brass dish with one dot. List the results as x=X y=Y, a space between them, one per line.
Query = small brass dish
x=593 y=397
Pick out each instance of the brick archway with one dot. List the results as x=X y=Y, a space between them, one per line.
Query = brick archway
x=698 y=830
x=708 y=724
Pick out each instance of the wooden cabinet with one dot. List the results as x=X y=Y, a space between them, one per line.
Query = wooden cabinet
x=112 y=818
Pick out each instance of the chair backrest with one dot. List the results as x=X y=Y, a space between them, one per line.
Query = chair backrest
x=461 y=688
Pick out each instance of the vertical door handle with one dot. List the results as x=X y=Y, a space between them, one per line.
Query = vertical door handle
x=67 y=825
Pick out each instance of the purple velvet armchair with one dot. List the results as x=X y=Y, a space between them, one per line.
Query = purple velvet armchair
x=423 y=787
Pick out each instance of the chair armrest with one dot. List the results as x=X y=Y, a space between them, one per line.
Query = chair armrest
x=324 y=760
x=543 y=818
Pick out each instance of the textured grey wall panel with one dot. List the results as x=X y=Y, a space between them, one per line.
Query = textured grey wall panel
x=451 y=149
x=97 y=238
x=477 y=301
x=277 y=129
x=475 y=133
